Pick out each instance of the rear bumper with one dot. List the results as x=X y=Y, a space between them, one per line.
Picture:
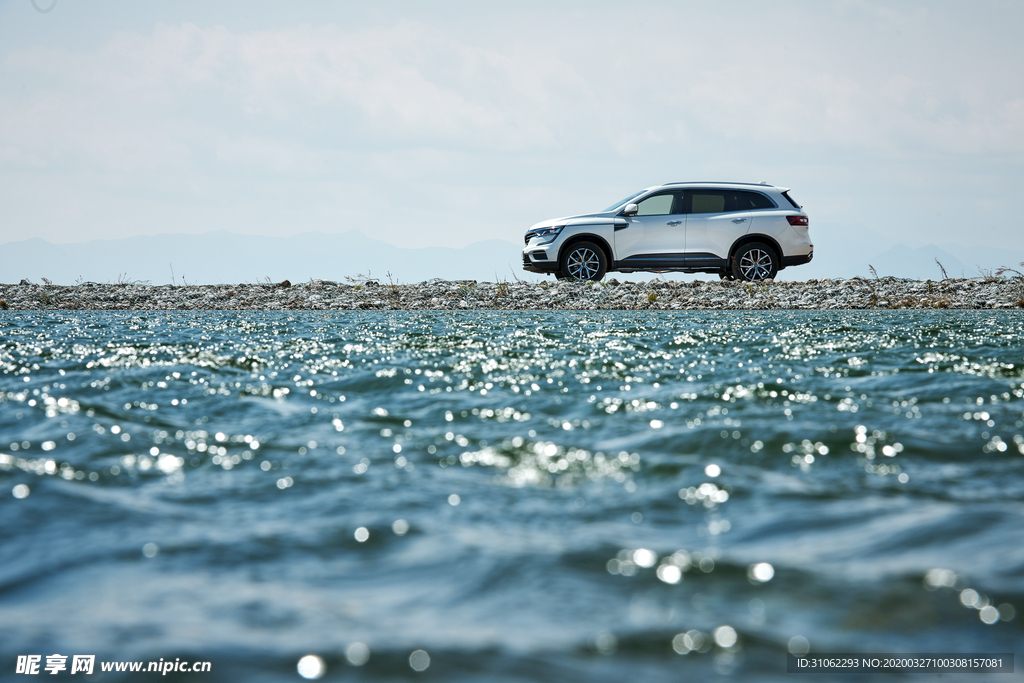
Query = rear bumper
x=797 y=260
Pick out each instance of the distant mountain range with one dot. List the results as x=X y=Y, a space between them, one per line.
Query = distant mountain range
x=851 y=250
x=923 y=263
x=222 y=257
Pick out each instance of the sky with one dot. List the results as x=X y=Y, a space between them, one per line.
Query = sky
x=449 y=122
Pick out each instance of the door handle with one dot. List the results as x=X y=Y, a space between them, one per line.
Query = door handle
x=673 y=223
x=738 y=220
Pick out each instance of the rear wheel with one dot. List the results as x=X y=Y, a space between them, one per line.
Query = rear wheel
x=584 y=261
x=754 y=262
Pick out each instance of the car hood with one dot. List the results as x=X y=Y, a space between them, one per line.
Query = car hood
x=581 y=219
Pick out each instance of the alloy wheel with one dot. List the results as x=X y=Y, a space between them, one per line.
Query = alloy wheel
x=583 y=264
x=756 y=264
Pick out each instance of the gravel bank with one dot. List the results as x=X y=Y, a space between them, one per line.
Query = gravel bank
x=881 y=293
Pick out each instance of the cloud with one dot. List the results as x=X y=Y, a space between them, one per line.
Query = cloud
x=419 y=85
x=563 y=104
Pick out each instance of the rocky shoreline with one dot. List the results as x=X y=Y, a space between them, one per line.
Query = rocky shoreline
x=853 y=294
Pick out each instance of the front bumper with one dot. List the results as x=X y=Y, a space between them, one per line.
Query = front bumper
x=536 y=260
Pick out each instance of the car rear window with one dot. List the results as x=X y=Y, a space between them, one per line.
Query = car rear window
x=790 y=200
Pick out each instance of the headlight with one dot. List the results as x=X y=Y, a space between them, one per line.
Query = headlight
x=547 y=235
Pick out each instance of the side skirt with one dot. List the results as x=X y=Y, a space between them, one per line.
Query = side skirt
x=669 y=263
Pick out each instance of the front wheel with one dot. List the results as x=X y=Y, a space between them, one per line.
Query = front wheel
x=754 y=262
x=584 y=261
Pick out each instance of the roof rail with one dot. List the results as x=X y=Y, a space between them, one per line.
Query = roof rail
x=718 y=182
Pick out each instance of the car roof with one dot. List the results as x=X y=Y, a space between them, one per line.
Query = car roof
x=721 y=182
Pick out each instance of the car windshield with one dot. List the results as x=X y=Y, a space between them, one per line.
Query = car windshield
x=624 y=201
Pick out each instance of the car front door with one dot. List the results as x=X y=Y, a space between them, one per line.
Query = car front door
x=714 y=220
x=655 y=235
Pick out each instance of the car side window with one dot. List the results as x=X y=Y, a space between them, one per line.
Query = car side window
x=707 y=201
x=725 y=201
x=658 y=205
x=758 y=201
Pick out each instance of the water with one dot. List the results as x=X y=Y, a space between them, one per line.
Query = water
x=549 y=496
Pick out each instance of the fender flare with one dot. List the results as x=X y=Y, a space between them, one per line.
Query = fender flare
x=747 y=239
x=599 y=241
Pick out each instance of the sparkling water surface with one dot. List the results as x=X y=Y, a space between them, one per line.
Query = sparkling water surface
x=510 y=496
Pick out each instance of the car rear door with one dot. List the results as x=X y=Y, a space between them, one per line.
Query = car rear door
x=715 y=219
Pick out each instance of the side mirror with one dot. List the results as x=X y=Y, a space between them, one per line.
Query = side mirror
x=630 y=210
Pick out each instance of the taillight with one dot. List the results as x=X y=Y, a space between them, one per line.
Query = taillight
x=798 y=220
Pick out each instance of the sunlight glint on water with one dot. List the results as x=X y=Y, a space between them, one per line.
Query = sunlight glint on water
x=650 y=493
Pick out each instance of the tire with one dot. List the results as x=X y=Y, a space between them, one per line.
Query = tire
x=583 y=261
x=755 y=262
x=559 y=275
x=726 y=276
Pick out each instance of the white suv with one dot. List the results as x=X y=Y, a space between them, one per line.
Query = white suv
x=738 y=230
